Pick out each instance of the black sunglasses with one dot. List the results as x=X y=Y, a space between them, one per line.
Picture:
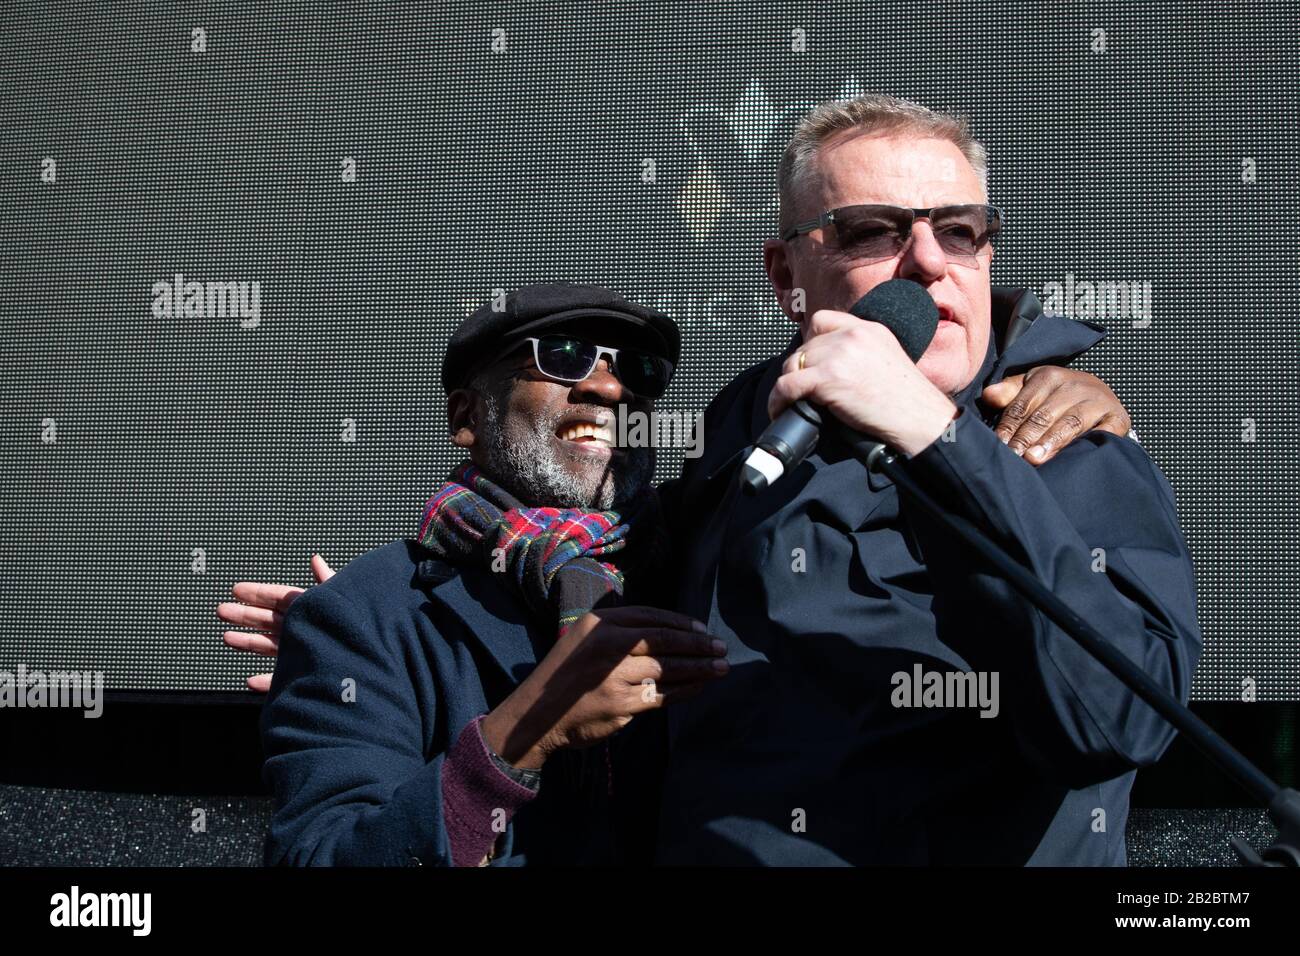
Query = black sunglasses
x=873 y=232
x=570 y=358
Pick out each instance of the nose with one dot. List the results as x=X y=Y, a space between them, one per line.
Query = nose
x=602 y=386
x=923 y=259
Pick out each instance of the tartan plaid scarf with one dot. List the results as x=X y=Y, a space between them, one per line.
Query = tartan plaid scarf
x=560 y=560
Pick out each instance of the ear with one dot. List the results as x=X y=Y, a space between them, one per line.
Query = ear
x=776 y=262
x=464 y=416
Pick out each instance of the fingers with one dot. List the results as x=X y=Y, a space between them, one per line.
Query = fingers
x=669 y=669
x=658 y=681
x=260 y=683
x=259 y=594
x=834 y=349
x=828 y=320
x=635 y=615
x=800 y=373
x=790 y=387
x=1038 y=405
x=262 y=608
x=812 y=351
x=257 y=618
x=1054 y=407
x=669 y=642
x=653 y=696
x=1064 y=430
x=1117 y=423
x=1001 y=394
x=321 y=569
x=268 y=646
x=1084 y=417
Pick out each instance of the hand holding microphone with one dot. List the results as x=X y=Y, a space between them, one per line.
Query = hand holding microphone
x=861 y=372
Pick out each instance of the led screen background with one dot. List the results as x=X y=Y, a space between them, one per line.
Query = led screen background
x=150 y=461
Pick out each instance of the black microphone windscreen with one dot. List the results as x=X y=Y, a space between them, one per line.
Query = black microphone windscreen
x=905 y=309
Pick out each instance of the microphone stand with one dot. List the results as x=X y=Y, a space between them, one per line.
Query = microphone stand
x=1283 y=803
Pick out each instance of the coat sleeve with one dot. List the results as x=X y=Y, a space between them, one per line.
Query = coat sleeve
x=1097 y=524
x=343 y=732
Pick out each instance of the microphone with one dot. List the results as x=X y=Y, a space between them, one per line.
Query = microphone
x=901 y=306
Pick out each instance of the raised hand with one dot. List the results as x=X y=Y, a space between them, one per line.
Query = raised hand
x=262 y=607
x=611 y=665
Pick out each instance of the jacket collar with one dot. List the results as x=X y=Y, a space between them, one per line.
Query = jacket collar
x=1051 y=340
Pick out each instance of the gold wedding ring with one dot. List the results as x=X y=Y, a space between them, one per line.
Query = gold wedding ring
x=803 y=359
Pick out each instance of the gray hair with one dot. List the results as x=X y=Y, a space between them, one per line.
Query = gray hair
x=871 y=113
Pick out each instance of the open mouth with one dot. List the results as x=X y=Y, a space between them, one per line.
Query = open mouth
x=586 y=435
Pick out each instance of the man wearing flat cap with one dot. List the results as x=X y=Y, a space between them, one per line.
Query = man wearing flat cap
x=420 y=691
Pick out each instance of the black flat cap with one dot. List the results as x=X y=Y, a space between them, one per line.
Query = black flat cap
x=485 y=333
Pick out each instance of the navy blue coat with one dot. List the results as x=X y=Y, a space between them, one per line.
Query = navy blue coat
x=799 y=755
x=425 y=649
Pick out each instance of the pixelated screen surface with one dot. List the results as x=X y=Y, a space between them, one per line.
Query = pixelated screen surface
x=365 y=175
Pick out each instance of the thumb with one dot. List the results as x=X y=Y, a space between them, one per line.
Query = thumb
x=322 y=570
x=1001 y=394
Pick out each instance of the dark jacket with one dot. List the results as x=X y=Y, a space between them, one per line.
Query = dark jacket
x=825 y=589
x=423 y=650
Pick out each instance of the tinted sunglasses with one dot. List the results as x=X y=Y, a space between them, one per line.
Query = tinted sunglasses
x=873 y=233
x=571 y=358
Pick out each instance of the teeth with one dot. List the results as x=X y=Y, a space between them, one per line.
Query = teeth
x=587 y=430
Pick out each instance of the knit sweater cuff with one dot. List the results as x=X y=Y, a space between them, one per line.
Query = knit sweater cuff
x=477 y=798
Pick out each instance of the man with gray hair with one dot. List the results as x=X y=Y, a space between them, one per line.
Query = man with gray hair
x=851 y=617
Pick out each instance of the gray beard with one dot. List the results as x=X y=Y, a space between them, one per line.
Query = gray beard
x=523 y=460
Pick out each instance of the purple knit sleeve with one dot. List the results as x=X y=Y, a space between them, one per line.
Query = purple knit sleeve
x=473 y=789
